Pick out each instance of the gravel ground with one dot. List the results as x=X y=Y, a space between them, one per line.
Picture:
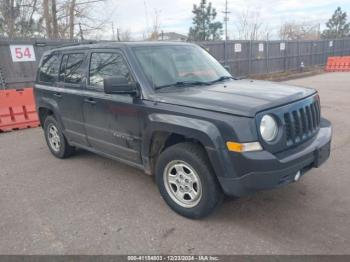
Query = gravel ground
x=91 y=205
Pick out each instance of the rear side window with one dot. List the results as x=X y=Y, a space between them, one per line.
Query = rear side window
x=104 y=65
x=72 y=68
x=48 y=72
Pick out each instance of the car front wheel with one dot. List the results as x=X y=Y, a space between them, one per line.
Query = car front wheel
x=187 y=182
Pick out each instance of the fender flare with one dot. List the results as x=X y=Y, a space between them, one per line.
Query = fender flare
x=203 y=131
x=52 y=105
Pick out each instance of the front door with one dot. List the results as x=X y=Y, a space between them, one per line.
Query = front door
x=111 y=120
x=70 y=98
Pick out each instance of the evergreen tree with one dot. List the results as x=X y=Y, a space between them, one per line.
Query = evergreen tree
x=204 y=25
x=337 y=26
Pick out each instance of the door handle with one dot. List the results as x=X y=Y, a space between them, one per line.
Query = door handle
x=58 y=95
x=90 y=101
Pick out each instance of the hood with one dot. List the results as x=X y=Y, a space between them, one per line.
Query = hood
x=238 y=97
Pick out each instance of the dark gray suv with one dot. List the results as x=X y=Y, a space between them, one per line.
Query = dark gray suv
x=172 y=110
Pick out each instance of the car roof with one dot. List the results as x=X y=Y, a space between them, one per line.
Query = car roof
x=114 y=45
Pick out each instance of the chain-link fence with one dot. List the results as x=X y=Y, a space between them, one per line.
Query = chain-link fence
x=245 y=58
x=263 y=57
x=19 y=74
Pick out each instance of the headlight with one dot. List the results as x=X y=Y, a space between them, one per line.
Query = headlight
x=268 y=128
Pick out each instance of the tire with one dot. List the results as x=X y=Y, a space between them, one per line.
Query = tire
x=203 y=193
x=55 y=139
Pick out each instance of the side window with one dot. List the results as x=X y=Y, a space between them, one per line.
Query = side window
x=71 y=70
x=48 y=71
x=104 y=65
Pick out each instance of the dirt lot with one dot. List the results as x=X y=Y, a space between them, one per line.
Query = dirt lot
x=91 y=205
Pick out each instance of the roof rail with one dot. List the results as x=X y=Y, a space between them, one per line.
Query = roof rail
x=79 y=43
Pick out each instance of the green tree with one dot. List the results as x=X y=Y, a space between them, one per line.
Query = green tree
x=337 y=26
x=204 y=25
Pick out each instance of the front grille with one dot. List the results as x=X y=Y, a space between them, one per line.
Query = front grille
x=302 y=123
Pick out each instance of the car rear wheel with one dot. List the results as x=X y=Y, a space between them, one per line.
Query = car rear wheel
x=187 y=182
x=55 y=139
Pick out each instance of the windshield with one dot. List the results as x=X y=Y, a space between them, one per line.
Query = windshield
x=173 y=65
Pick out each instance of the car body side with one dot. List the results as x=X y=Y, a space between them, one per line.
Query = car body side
x=139 y=128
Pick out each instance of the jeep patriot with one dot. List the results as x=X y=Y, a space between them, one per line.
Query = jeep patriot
x=175 y=112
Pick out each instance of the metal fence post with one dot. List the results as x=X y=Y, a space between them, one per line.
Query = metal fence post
x=299 y=57
x=2 y=80
x=285 y=57
x=225 y=53
x=267 y=57
x=250 y=57
x=325 y=52
x=311 y=53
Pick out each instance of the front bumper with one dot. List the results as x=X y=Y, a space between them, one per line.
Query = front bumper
x=262 y=170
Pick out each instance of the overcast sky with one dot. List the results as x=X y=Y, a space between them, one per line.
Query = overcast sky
x=176 y=15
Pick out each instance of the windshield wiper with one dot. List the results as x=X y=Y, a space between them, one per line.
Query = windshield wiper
x=194 y=83
x=183 y=83
x=222 y=78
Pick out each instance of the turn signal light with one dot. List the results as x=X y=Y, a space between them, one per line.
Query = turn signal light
x=243 y=147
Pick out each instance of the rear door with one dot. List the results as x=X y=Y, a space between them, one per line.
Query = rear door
x=72 y=81
x=111 y=121
x=47 y=77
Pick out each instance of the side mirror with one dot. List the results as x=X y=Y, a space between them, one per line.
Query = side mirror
x=228 y=68
x=119 y=85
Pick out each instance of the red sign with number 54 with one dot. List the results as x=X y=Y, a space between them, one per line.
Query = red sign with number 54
x=22 y=53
